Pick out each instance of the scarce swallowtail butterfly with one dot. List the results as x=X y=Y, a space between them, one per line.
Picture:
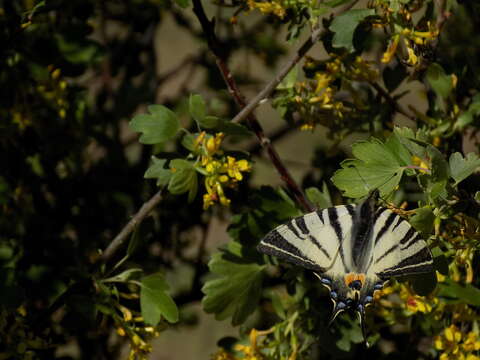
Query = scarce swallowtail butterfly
x=353 y=249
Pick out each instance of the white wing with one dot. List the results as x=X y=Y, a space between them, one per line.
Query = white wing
x=398 y=248
x=313 y=240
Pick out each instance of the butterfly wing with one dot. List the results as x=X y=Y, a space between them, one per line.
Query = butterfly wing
x=398 y=248
x=312 y=240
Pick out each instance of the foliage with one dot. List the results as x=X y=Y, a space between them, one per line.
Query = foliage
x=93 y=252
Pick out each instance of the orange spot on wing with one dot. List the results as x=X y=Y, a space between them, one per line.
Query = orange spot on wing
x=352 y=277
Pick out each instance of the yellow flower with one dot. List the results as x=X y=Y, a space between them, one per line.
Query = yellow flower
x=307 y=127
x=323 y=80
x=213 y=143
x=209 y=199
x=421 y=164
x=199 y=139
x=412 y=58
x=269 y=7
x=212 y=166
x=450 y=342
x=223 y=355
x=415 y=303
x=471 y=343
x=391 y=50
x=235 y=168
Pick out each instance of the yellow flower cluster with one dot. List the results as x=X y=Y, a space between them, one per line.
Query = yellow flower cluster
x=411 y=38
x=220 y=171
x=275 y=7
x=135 y=329
x=319 y=97
x=248 y=352
x=414 y=303
x=362 y=70
x=18 y=340
x=54 y=91
x=455 y=345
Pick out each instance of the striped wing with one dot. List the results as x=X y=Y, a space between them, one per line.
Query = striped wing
x=313 y=240
x=398 y=248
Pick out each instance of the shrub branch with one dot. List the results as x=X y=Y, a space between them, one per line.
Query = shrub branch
x=214 y=45
x=123 y=235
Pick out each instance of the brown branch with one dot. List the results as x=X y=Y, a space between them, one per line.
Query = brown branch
x=220 y=57
x=122 y=236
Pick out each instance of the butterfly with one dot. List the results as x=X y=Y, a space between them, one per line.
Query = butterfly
x=353 y=249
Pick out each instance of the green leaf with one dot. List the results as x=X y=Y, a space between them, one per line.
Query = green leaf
x=192 y=191
x=236 y=289
x=210 y=122
x=344 y=26
x=79 y=50
x=230 y=128
x=183 y=3
x=423 y=220
x=461 y=168
x=459 y=293
x=277 y=305
x=321 y=200
x=397 y=149
x=184 y=176
x=379 y=166
x=409 y=140
x=440 y=169
x=350 y=333
x=157 y=171
x=468 y=116
x=197 y=107
x=289 y=81
x=440 y=82
x=188 y=142
x=124 y=276
x=155 y=302
x=335 y=3
x=157 y=127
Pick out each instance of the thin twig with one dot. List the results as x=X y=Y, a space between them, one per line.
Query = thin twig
x=270 y=87
x=122 y=236
x=218 y=51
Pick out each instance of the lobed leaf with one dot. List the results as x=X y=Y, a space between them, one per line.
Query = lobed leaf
x=440 y=82
x=157 y=171
x=183 y=178
x=157 y=127
x=461 y=168
x=344 y=26
x=155 y=302
x=236 y=289
x=378 y=166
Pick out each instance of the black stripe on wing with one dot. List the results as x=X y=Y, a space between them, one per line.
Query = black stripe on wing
x=420 y=262
x=390 y=219
x=276 y=245
x=333 y=218
x=411 y=242
x=300 y=223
